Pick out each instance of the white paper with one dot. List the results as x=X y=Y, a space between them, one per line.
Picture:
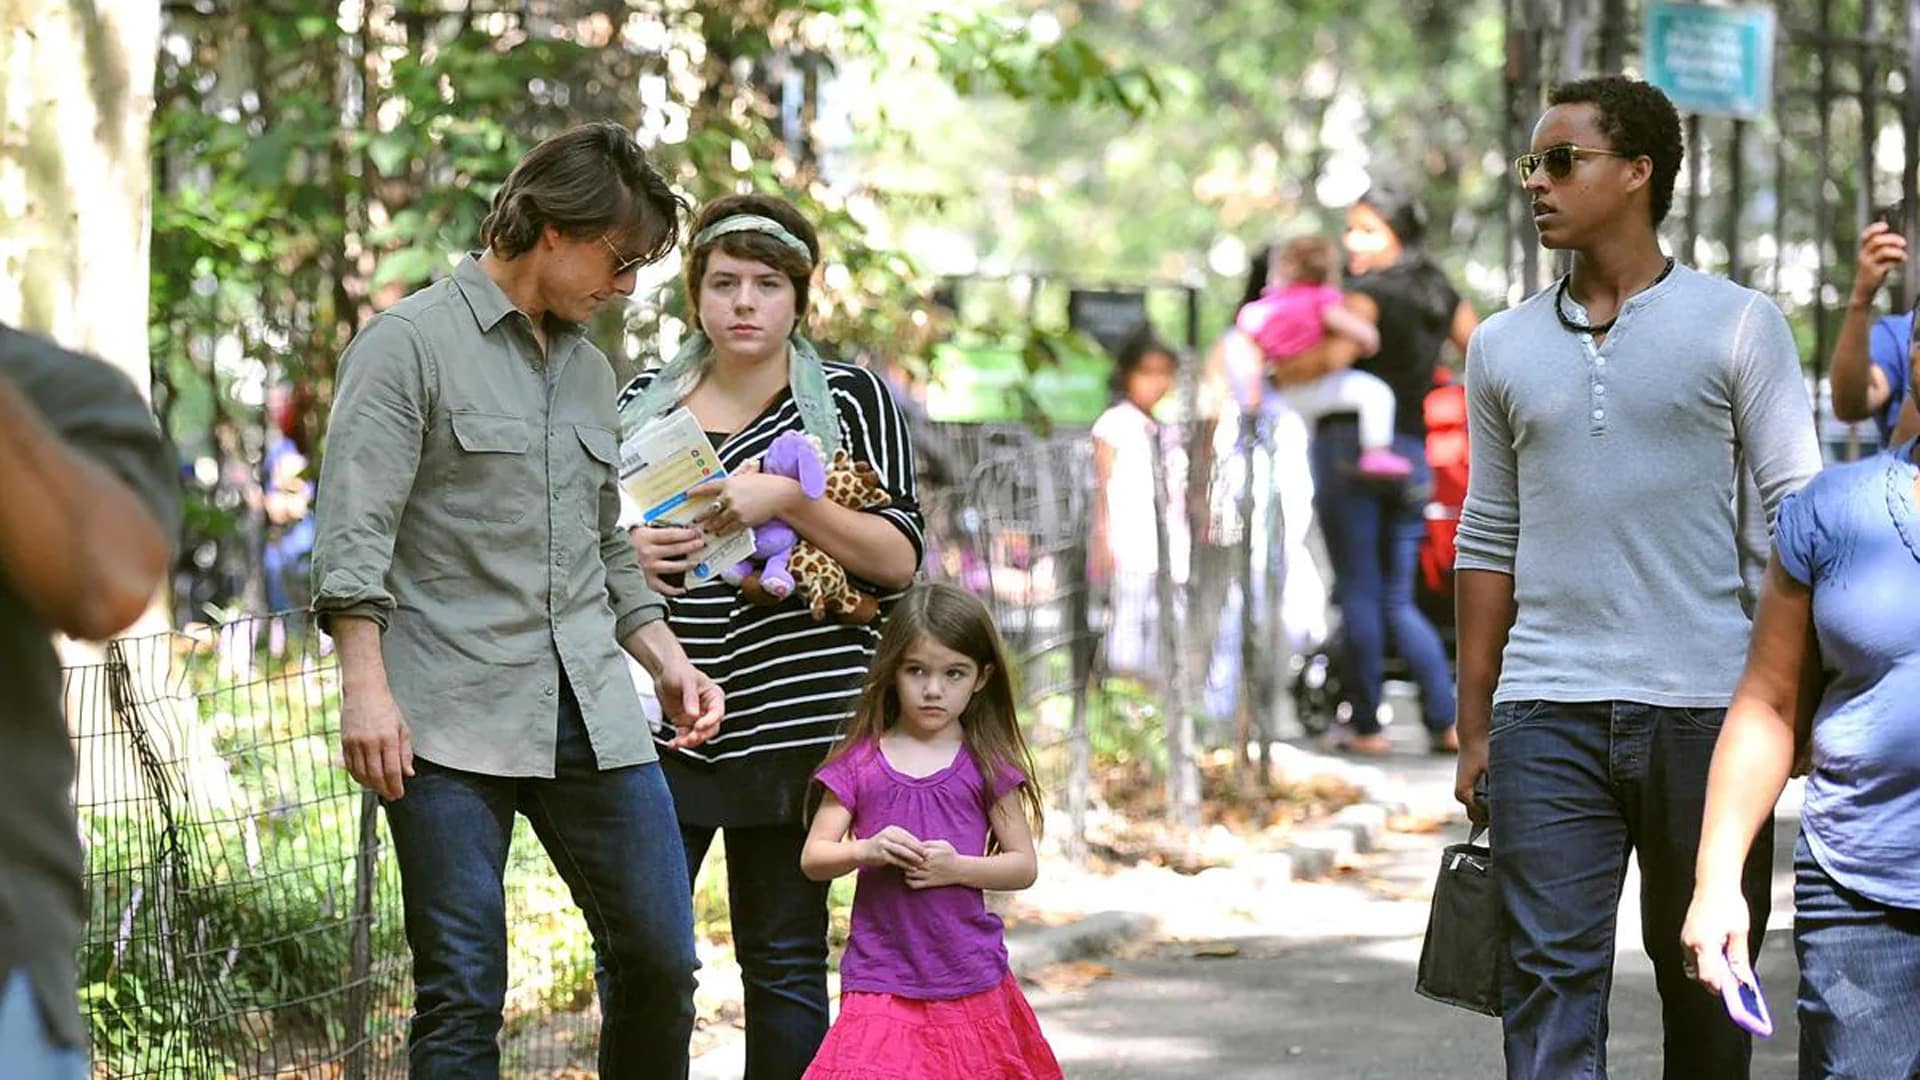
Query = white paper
x=659 y=465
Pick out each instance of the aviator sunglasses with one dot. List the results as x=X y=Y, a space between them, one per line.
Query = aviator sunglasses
x=1557 y=159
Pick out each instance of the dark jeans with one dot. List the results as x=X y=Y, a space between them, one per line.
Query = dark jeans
x=1373 y=533
x=612 y=837
x=1859 y=978
x=780 y=939
x=1573 y=789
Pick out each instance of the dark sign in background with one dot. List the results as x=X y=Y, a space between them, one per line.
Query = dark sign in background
x=1107 y=315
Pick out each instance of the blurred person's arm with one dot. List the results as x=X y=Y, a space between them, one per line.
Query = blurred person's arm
x=1465 y=322
x=1909 y=425
x=1100 y=535
x=1487 y=540
x=1350 y=325
x=1859 y=387
x=1334 y=352
x=1244 y=368
x=78 y=544
x=1751 y=761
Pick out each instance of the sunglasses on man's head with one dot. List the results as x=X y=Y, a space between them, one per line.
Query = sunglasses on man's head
x=1558 y=160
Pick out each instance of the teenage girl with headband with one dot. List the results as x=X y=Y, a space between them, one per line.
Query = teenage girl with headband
x=748 y=374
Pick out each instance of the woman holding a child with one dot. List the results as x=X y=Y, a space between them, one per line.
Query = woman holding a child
x=748 y=376
x=1370 y=505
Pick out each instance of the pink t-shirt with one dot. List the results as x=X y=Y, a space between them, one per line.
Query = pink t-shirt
x=1287 y=321
x=929 y=944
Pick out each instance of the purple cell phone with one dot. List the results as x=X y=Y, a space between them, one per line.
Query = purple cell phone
x=1746 y=1006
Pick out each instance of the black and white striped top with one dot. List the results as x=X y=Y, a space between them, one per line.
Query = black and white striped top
x=790 y=682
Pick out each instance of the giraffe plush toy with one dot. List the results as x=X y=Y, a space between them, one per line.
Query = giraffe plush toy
x=822 y=580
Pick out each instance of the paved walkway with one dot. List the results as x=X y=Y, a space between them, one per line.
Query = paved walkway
x=1321 y=985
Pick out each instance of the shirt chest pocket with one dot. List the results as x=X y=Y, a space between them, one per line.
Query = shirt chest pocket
x=593 y=465
x=489 y=476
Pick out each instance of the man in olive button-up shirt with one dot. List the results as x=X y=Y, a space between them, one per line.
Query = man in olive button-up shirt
x=470 y=565
x=479 y=532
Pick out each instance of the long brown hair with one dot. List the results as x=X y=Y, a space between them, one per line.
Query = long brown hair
x=990 y=724
x=585 y=181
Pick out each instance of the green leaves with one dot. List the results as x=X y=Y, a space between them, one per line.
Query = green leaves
x=308 y=169
x=390 y=153
x=995 y=54
x=408 y=265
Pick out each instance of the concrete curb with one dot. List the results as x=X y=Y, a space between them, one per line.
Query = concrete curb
x=1354 y=830
x=1029 y=950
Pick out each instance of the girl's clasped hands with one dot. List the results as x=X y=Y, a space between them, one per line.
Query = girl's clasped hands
x=927 y=864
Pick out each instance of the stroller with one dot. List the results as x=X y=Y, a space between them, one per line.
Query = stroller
x=1315 y=680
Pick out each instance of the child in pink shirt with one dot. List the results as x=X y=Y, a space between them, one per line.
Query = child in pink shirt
x=1295 y=313
x=930 y=797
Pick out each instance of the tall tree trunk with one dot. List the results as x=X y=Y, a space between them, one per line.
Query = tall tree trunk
x=76 y=101
x=76 y=104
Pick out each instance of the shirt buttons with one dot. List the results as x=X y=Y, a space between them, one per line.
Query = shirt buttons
x=1599 y=361
x=1600 y=389
x=548 y=691
x=1599 y=414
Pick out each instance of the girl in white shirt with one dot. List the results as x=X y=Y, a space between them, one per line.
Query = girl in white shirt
x=1125 y=546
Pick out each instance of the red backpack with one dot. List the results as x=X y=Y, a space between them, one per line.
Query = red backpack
x=1446 y=412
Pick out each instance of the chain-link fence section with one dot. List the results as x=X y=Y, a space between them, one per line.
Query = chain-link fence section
x=1199 y=644
x=245 y=907
x=1014 y=533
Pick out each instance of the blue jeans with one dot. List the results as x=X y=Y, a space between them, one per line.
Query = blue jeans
x=779 y=937
x=26 y=1047
x=1374 y=533
x=1572 y=789
x=612 y=836
x=1859 y=976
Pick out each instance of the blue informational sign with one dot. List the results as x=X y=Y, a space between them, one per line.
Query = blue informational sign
x=1715 y=61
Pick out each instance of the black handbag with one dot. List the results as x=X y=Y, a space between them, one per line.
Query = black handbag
x=1466 y=931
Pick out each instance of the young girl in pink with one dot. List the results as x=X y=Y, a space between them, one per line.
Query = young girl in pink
x=1299 y=308
x=930 y=796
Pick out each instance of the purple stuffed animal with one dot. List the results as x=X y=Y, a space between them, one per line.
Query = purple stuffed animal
x=796 y=456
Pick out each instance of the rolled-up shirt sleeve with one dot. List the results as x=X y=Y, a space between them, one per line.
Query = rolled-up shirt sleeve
x=374 y=438
x=1489 y=533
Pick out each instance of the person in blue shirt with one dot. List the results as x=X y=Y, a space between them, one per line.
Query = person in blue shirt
x=1869 y=374
x=1837 y=638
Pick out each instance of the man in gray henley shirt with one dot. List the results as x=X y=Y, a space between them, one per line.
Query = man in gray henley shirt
x=1601 y=628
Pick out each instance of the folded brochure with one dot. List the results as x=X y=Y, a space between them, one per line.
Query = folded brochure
x=659 y=468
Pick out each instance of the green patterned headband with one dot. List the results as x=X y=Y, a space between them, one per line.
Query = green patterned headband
x=738 y=223
x=806 y=373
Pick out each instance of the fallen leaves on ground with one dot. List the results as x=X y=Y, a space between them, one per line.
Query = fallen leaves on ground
x=1417 y=824
x=1071 y=975
x=1239 y=815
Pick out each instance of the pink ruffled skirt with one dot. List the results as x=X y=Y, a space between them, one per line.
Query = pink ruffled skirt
x=992 y=1035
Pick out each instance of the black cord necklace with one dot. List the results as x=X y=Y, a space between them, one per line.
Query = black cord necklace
x=1560 y=301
